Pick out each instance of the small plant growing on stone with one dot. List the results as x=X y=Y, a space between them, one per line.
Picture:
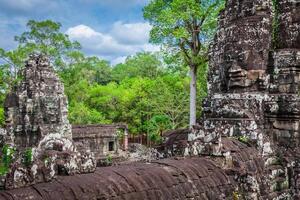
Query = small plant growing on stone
x=27 y=157
x=235 y=195
x=46 y=160
x=108 y=160
x=275 y=24
x=279 y=158
x=3 y=169
x=243 y=139
x=120 y=134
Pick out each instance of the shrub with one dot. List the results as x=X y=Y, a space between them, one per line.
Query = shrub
x=27 y=157
x=7 y=156
x=8 y=153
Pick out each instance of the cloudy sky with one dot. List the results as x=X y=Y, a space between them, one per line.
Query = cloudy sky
x=110 y=29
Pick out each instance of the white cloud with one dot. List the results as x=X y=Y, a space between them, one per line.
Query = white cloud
x=113 y=46
x=119 y=39
x=134 y=33
x=97 y=42
x=82 y=31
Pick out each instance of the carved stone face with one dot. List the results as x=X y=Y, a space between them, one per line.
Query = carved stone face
x=289 y=24
x=247 y=71
x=246 y=53
x=240 y=52
x=237 y=76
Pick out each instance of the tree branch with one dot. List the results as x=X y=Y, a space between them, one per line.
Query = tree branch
x=187 y=58
x=208 y=11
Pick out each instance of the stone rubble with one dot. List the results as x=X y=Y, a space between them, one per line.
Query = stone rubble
x=138 y=152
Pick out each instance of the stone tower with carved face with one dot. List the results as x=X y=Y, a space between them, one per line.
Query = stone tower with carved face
x=36 y=122
x=254 y=82
x=37 y=110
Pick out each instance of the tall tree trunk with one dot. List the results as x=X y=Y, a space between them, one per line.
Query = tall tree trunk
x=193 y=95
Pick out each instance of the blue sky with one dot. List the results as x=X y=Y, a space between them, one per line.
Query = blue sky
x=110 y=29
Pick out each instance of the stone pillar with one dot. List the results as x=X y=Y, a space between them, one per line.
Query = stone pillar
x=125 y=139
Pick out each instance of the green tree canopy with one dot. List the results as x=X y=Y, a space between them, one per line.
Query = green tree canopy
x=79 y=113
x=80 y=67
x=42 y=37
x=187 y=25
x=143 y=64
x=156 y=125
x=45 y=37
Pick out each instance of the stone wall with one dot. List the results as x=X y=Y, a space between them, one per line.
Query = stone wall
x=97 y=139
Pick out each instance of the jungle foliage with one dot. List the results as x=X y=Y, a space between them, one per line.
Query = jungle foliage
x=149 y=91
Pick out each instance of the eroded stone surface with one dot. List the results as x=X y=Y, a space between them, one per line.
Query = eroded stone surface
x=2 y=136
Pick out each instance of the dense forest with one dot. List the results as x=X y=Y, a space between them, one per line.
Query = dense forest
x=149 y=91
